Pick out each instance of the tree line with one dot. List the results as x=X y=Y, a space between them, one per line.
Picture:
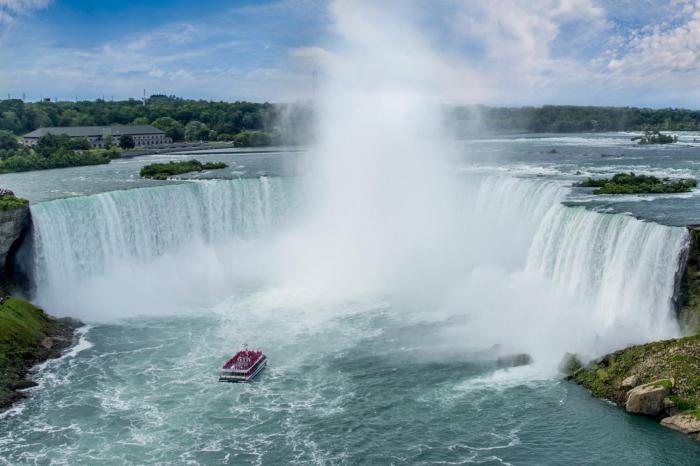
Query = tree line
x=246 y=123
x=573 y=119
x=259 y=124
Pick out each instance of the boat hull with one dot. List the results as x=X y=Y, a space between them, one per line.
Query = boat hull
x=234 y=378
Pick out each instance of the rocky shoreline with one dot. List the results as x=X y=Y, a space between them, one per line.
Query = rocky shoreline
x=28 y=336
x=660 y=380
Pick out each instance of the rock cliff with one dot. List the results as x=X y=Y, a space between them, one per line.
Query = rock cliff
x=14 y=223
x=689 y=286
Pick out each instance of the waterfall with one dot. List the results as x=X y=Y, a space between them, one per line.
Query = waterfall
x=509 y=211
x=623 y=269
x=511 y=247
x=80 y=240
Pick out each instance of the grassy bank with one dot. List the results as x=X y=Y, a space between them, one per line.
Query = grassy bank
x=27 y=336
x=163 y=171
x=677 y=359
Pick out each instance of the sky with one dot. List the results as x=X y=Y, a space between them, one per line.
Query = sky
x=494 y=52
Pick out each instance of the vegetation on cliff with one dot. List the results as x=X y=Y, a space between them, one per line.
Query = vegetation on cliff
x=677 y=360
x=8 y=200
x=629 y=183
x=27 y=336
x=163 y=171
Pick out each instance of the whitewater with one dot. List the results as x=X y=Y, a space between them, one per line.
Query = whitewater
x=376 y=378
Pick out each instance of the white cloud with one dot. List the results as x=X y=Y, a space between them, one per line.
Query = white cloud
x=490 y=51
x=11 y=9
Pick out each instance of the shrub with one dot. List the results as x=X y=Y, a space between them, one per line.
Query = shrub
x=8 y=200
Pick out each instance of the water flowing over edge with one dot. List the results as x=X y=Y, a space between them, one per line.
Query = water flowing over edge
x=617 y=271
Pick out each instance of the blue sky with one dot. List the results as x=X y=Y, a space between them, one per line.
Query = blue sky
x=603 y=52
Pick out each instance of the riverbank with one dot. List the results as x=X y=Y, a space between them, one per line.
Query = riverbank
x=28 y=336
x=659 y=379
x=177 y=147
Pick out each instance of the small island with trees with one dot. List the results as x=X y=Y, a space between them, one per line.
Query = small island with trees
x=655 y=137
x=629 y=183
x=163 y=171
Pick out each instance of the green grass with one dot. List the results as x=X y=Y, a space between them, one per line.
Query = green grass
x=22 y=328
x=163 y=171
x=11 y=202
x=629 y=183
x=682 y=405
x=655 y=362
x=665 y=383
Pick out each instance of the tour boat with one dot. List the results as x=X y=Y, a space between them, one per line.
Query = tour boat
x=243 y=366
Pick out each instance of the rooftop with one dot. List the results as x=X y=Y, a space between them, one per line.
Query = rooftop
x=87 y=131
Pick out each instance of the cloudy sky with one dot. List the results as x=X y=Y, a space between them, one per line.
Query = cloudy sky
x=515 y=52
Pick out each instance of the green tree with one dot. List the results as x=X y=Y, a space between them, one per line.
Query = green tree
x=126 y=141
x=173 y=129
x=140 y=121
x=8 y=140
x=196 y=131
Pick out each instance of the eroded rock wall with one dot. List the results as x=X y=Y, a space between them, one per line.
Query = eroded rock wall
x=689 y=302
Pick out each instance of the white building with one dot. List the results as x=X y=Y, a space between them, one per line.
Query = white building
x=143 y=135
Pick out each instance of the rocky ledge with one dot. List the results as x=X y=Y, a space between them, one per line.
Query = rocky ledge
x=660 y=380
x=14 y=223
x=28 y=336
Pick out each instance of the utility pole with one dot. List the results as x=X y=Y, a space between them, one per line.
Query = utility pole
x=144 y=97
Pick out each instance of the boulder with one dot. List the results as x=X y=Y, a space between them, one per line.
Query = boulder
x=670 y=407
x=629 y=382
x=648 y=399
x=685 y=423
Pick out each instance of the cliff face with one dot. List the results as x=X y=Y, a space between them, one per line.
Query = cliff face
x=689 y=305
x=14 y=224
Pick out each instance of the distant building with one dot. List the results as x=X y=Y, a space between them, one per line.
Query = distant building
x=144 y=135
